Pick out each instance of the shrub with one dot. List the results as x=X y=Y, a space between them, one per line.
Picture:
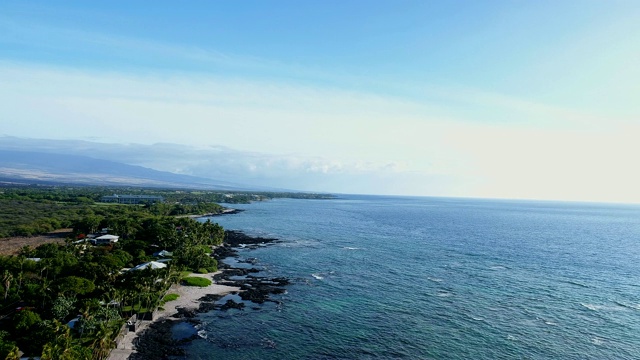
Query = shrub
x=196 y=281
x=203 y=271
x=24 y=320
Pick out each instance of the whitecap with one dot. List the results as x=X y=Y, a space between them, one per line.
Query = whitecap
x=444 y=294
x=550 y=323
x=317 y=277
x=616 y=307
x=434 y=279
x=592 y=306
x=350 y=248
x=511 y=337
x=597 y=341
x=202 y=334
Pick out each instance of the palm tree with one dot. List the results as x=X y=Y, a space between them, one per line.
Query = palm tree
x=63 y=347
x=45 y=290
x=55 y=350
x=14 y=354
x=103 y=342
x=7 y=277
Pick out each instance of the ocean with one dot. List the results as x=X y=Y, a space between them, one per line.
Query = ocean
x=436 y=278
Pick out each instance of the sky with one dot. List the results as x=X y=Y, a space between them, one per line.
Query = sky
x=497 y=99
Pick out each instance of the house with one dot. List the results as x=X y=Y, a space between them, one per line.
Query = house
x=149 y=265
x=72 y=323
x=105 y=239
x=163 y=253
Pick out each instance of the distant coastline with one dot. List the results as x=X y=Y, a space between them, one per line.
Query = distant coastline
x=225 y=211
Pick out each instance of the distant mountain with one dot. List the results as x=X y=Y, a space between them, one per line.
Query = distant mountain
x=30 y=166
x=211 y=165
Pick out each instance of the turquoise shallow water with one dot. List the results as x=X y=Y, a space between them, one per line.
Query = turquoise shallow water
x=433 y=278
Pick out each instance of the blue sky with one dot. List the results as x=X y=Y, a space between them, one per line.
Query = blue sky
x=507 y=99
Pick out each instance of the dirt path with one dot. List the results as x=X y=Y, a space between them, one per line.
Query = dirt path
x=11 y=245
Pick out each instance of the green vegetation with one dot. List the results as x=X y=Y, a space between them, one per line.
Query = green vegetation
x=170 y=297
x=84 y=282
x=72 y=302
x=36 y=209
x=84 y=285
x=196 y=281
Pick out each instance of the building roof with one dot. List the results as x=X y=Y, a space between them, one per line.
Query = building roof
x=108 y=237
x=133 y=196
x=163 y=253
x=150 y=265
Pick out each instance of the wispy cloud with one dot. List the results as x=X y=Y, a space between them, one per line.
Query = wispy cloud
x=310 y=131
x=227 y=165
x=282 y=133
x=123 y=52
x=66 y=39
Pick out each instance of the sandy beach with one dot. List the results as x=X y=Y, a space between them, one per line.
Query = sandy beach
x=189 y=296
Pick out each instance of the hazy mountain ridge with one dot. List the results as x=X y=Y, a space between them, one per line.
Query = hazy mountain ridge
x=65 y=168
x=248 y=170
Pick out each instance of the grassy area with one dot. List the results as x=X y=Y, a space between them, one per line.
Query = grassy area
x=138 y=308
x=170 y=297
x=196 y=281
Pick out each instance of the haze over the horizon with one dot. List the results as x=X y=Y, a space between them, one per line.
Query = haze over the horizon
x=503 y=99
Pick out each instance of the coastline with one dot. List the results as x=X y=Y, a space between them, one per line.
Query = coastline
x=188 y=300
x=154 y=339
x=225 y=211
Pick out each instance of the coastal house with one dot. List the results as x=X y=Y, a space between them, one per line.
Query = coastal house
x=105 y=239
x=149 y=265
x=163 y=253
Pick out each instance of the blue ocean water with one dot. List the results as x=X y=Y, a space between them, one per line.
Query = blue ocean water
x=435 y=278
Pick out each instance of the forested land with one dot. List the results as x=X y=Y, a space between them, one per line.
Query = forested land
x=43 y=291
x=37 y=209
x=70 y=301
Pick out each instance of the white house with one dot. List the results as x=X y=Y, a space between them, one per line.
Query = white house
x=105 y=239
x=163 y=253
x=150 y=265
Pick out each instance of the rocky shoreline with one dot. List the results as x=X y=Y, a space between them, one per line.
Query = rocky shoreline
x=157 y=341
x=226 y=211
